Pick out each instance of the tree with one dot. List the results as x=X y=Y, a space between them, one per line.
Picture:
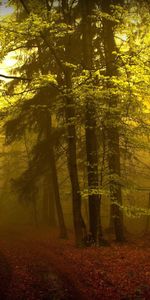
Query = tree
x=79 y=225
x=86 y=58
x=112 y=123
x=90 y=124
x=69 y=112
x=42 y=158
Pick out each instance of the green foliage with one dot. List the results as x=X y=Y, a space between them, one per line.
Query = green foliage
x=40 y=38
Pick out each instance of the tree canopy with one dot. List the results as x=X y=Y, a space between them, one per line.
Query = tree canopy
x=81 y=81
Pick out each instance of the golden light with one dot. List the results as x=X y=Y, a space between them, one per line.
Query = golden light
x=7 y=65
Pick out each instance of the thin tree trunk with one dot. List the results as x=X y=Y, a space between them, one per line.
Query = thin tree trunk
x=61 y=221
x=45 y=206
x=35 y=215
x=147 y=226
x=49 y=215
x=112 y=129
x=54 y=178
x=90 y=127
x=79 y=225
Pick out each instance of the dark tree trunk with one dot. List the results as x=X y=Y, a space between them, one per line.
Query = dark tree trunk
x=54 y=178
x=112 y=126
x=63 y=230
x=90 y=126
x=147 y=226
x=92 y=169
x=35 y=215
x=45 y=205
x=49 y=213
x=79 y=225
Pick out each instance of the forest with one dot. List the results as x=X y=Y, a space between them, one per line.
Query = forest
x=75 y=150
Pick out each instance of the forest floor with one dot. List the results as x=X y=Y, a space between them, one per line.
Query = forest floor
x=36 y=265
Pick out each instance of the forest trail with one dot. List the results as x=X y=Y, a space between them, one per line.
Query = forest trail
x=36 y=265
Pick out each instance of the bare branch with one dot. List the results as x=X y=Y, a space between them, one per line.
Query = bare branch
x=15 y=77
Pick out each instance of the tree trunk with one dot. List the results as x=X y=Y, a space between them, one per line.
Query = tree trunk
x=147 y=226
x=54 y=178
x=62 y=227
x=45 y=204
x=35 y=216
x=90 y=127
x=79 y=225
x=49 y=214
x=112 y=125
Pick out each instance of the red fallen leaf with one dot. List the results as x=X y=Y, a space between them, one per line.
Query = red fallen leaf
x=112 y=273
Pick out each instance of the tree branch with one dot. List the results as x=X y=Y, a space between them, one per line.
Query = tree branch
x=15 y=77
x=53 y=52
x=25 y=6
